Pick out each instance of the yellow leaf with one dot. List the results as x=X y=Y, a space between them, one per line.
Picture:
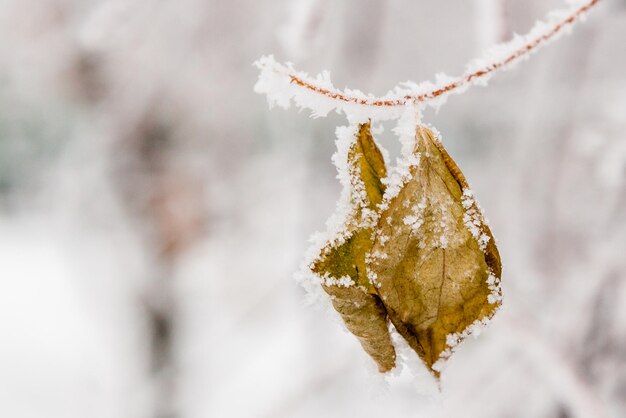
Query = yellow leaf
x=434 y=260
x=341 y=264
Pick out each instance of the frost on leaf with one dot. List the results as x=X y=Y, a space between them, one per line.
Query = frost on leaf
x=412 y=249
x=345 y=257
x=440 y=279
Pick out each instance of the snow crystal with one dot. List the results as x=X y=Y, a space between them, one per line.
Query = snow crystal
x=400 y=174
x=453 y=340
x=493 y=283
x=416 y=220
x=372 y=277
x=472 y=219
x=376 y=254
x=345 y=281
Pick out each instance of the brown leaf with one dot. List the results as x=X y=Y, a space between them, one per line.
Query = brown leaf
x=434 y=260
x=341 y=263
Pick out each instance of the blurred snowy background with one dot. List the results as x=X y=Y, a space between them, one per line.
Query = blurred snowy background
x=153 y=210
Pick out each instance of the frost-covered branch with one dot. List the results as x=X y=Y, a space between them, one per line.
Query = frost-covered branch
x=282 y=83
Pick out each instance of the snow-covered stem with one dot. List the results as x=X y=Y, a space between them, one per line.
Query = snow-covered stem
x=282 y=83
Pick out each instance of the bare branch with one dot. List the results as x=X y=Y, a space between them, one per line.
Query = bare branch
x=277 y=81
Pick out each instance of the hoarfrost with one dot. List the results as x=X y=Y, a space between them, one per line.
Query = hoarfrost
x=372 y=277
x=345 y=281
x=400 y=174
x=353 y=200
x=453 y=340
x=493 y=283
x=336 y=226
x=473 y=218
x=411 y=367
x=283 y=84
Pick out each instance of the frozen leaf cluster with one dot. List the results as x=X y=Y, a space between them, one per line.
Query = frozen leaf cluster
x=413 y=250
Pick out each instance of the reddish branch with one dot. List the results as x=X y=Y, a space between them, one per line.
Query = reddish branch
x=465 y=79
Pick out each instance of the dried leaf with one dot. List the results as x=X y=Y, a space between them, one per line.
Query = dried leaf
x=423 y=257
x=434 y=260
x=341 y=263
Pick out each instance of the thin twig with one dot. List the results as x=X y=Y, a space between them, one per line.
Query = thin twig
x=461 y=81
